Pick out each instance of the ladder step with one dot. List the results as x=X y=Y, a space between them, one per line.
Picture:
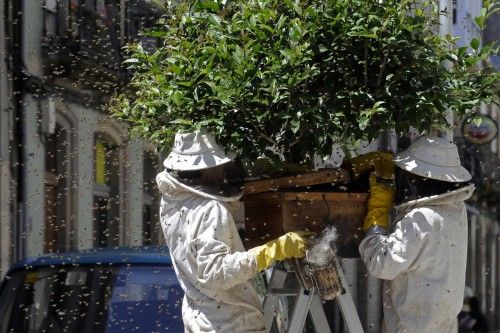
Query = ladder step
x=308 y=302
x=300 y=311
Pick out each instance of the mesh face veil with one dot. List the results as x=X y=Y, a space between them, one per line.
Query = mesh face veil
x=406 y=189
x=411 y=187
x=228 y=182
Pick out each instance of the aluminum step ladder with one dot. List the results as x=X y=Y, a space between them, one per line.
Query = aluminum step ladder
x=306 y=302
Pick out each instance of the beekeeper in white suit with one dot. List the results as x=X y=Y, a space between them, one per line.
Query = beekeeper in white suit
x=424 y=255
x=207 y=253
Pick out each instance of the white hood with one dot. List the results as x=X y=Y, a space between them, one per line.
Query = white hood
x=175 y=190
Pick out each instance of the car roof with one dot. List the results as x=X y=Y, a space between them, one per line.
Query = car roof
x=137 y=255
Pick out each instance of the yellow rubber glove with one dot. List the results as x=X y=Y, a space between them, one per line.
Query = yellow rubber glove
x=290 y=245
x=376 y=161
x=380 y=203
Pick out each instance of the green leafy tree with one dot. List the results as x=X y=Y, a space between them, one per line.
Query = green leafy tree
x=287 y=79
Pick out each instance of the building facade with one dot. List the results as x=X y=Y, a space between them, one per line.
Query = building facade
x=72 y=178
x=483 y=262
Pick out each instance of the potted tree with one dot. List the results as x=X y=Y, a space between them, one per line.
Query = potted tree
x=286 y=80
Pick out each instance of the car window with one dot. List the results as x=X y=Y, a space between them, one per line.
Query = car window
x=92 y=299
x=145 y=298
x=47 y=300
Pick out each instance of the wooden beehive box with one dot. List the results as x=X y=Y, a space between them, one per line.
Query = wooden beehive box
x=271 y=214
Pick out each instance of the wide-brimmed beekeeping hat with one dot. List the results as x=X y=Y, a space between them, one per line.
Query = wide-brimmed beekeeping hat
x=196 y=151
x=433 y=157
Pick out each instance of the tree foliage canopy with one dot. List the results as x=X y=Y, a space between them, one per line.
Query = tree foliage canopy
x=287 y=79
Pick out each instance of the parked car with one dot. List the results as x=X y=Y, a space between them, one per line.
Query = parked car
x=131 y=289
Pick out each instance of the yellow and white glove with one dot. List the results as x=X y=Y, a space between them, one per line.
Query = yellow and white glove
x=380 y=203
x=290 y=245
x=379 y=162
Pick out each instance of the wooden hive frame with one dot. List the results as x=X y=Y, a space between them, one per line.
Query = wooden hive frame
x=269 y=214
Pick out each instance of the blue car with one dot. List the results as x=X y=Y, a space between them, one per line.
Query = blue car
x=132 y=289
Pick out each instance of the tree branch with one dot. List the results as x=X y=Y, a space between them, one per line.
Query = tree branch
x=382 y=68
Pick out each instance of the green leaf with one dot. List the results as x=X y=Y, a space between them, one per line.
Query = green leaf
x=155 y=33
x=461 y=51
x=206 y=4
x=182 y=122
x=159 y=3
x=294 y=126
x=480 y=21
x=266 y=27
x=177 y=98
x=363 y=122
x=131 y=61
x=238 y=54
x=474 y=44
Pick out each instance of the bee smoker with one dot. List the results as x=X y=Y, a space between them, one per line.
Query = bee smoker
x=322 y=275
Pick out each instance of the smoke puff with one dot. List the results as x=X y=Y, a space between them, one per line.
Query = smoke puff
x=324 y=247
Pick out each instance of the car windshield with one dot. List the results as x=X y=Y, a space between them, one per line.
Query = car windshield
x=92 y=299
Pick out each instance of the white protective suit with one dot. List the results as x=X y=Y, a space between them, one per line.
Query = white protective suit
x=210 y=261
x=423 y=261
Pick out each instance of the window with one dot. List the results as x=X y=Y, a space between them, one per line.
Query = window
x=56 y=16
x=56 y=189
x=152 y=296
x=100 y=8
x=150 y=216
x=73 y=24
x=51 y=20
x=107 y=202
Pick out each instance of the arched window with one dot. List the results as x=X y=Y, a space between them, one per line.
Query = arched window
x=150 y=215
x=57 y=188
x=107 y=202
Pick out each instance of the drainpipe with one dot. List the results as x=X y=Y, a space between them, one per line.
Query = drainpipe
x=5 y=155
x=16 y=50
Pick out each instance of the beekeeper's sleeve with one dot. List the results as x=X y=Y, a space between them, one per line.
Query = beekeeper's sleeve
x=220 y=267
x=386 y=256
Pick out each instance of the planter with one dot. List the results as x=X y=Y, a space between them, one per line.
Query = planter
x=271 y=214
